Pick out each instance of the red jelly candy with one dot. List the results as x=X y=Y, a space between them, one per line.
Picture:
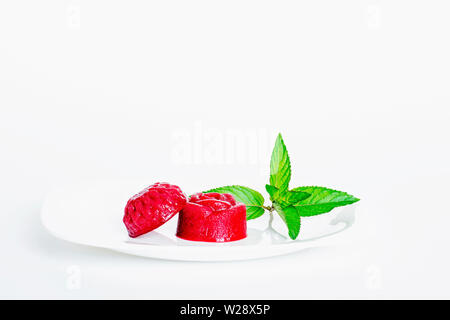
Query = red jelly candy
x=152 y=207
x=212 y=217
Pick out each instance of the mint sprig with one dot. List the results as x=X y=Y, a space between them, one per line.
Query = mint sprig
x=292 y=204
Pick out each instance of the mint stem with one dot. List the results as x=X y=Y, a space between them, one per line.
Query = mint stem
x=270 y=219
x=270 y=209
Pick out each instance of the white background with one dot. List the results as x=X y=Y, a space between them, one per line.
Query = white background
x=102 y=89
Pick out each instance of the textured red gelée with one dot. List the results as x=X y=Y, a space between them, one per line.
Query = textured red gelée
x=212 y=217
x=152 y=207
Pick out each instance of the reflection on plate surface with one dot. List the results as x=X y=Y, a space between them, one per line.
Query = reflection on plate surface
x=269 y=236
x=94 y=218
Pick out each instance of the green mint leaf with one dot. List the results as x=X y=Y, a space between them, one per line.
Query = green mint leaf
x=252 y=199
x=285 y=198
x=273 y=192
x=322 y=200
x=280 y=166
x=296 y=196
x=291 y=217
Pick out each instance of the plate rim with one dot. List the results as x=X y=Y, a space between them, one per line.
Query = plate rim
x=154 y=251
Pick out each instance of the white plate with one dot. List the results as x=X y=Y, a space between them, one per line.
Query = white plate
x=90 y=213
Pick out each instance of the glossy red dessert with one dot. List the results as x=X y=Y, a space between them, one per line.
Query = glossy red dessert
x=212 y=217
x=152 y=207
